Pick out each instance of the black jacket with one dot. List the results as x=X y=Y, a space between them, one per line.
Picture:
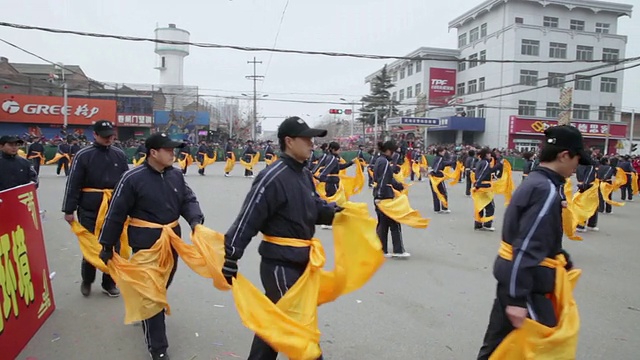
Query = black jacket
x=606 y=172
x=228 y=150
x=470 y=163
x=585 y=175
x=15 y=171
x=383 y=177
x=533 y=226
x=374 y=160
x=483 y=173
x=528 y=167
x=322 y=161
x=282 y=202
x=35 y=147
x=95 y=166
x=64 y=148
x=146 y=194
x=141 y=150
x=626 y=166
x=268 y=150
x=73 y=149
x=332 y=167
x=439 y=164
x=248 y=153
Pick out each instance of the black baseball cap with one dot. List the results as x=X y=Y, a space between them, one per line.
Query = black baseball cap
x=104 y=128
x=162 y=141
x=296 y=127
x=10 y=139
x=568 y=137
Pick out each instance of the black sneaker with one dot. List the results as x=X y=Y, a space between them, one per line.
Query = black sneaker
x=85 y=289
x=160 y=356
x=112 y=291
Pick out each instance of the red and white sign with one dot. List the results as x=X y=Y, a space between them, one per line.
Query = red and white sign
x=589 y=129
x=51 y=110
x=135 y=120
x=26 y=299
x=442 y=85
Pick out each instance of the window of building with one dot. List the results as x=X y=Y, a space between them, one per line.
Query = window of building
x=576 y=25
x=583 y=82
x=462 y=40
x=483 y=57
x=401 y=73
x=401 y=95
x=527 y=108
x=482 y=111
x=608 y=84
x=550 y=21
x=530 y=47
x=528 y=77
x=581 y=111
x=474 y=34
x=481 y=84
x=519 y=20
x=553 y=110
x=460 y=89
x=394 y=76
x=606 y=113
x=418 y=89
x=472 y=86
x=610 y=54
x=483 y=30
x=557 y=50
x=409 y=92
x=394 y=96
x=584 y=52
x=471 y=111
x=473 y=60
x=410 y=69
x=555 y=80
x=462 y=65
x=418 y=66
x=603 y=28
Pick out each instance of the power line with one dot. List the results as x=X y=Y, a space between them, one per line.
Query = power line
x=276 y=50
x=275 y=42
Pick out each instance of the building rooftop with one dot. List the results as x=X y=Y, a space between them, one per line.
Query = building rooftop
x=430 y=52
x=593 y=5
x=45 y=69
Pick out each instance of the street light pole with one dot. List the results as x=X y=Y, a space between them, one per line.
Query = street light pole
x=610 y=113
x=65 y=111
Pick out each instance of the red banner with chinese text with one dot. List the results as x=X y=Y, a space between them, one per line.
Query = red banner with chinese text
x=589 y=129
x=26 y=297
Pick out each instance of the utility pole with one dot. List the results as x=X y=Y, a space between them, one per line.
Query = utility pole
x=255 y=78
x=610 y=114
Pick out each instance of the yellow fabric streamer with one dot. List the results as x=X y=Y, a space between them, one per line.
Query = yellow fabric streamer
x=481 y=198
x=58 y=157
x=454 y=174
x=405 y=169
x=435 y=181
x=634 y=183
x=569 y=221
x=606 y=189
x=22 y=154
x=353 y=184
x=107 y=194
x=206 y=160
x=268 y=161
x=231 y=162
x=185 y=161
x=423 y=163
x=249 y=165
x=37 y=154
x=415 y=168
x=400 y=210
x=505 y=185
x=536 y=341
x=139 y=161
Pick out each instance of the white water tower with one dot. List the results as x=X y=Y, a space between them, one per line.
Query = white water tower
x=171 y=56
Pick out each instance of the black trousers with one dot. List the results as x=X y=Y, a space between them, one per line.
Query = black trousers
x=370 y=178
x=201 y=160
x=154 y=328
x=467 y=190
x=540 y=309
x=248 y=172
x=437 y=205
x=625 y=191
x=385 y=224
x=63 y=163
x=331 y=188
x=603 y=206
x=488 y=210
x=593 y=221
x=88 y=221
x=277 y=279
x=414 y=174
x=36 y=164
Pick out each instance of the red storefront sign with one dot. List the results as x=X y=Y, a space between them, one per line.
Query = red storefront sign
x=51 y=110
x=589 y=129
x=130 y=120
x=442 y=85
x=26 y=299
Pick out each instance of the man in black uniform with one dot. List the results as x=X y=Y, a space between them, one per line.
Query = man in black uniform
x=373 y=156
x=14 y=170
x=282 y=202
x=482 y=174
x=141 y=151
x=65 y=149
x=203 y=150
x=321 y=160
x=183 y=154
x=35 y=153
x=605 y=174
x=586 y=176
x=74 y=147
x=95 y=170
x=247 y=156
x=268 y=152
x=469 y=167
x=155 y=192
x=228 y=153
x=533 y=230
x=332 y=168
x=625 y=190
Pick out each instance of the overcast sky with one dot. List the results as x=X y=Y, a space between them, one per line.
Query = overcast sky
x=355 y=26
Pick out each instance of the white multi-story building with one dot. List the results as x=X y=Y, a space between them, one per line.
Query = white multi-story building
x=521 y=96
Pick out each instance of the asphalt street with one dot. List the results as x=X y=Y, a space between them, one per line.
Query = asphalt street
x=434 y=305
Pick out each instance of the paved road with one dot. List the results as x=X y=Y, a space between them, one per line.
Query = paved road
x=432 y=306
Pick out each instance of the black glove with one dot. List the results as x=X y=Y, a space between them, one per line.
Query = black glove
x=230 y=270
x=338 y=208
x=106 y=253
x=569 y=265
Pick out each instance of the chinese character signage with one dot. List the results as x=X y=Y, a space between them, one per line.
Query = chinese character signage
x=135 y=120
x=420 y=121
x=588 y=129
x=442 y=85
x=26 y=299
x=51 y=110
